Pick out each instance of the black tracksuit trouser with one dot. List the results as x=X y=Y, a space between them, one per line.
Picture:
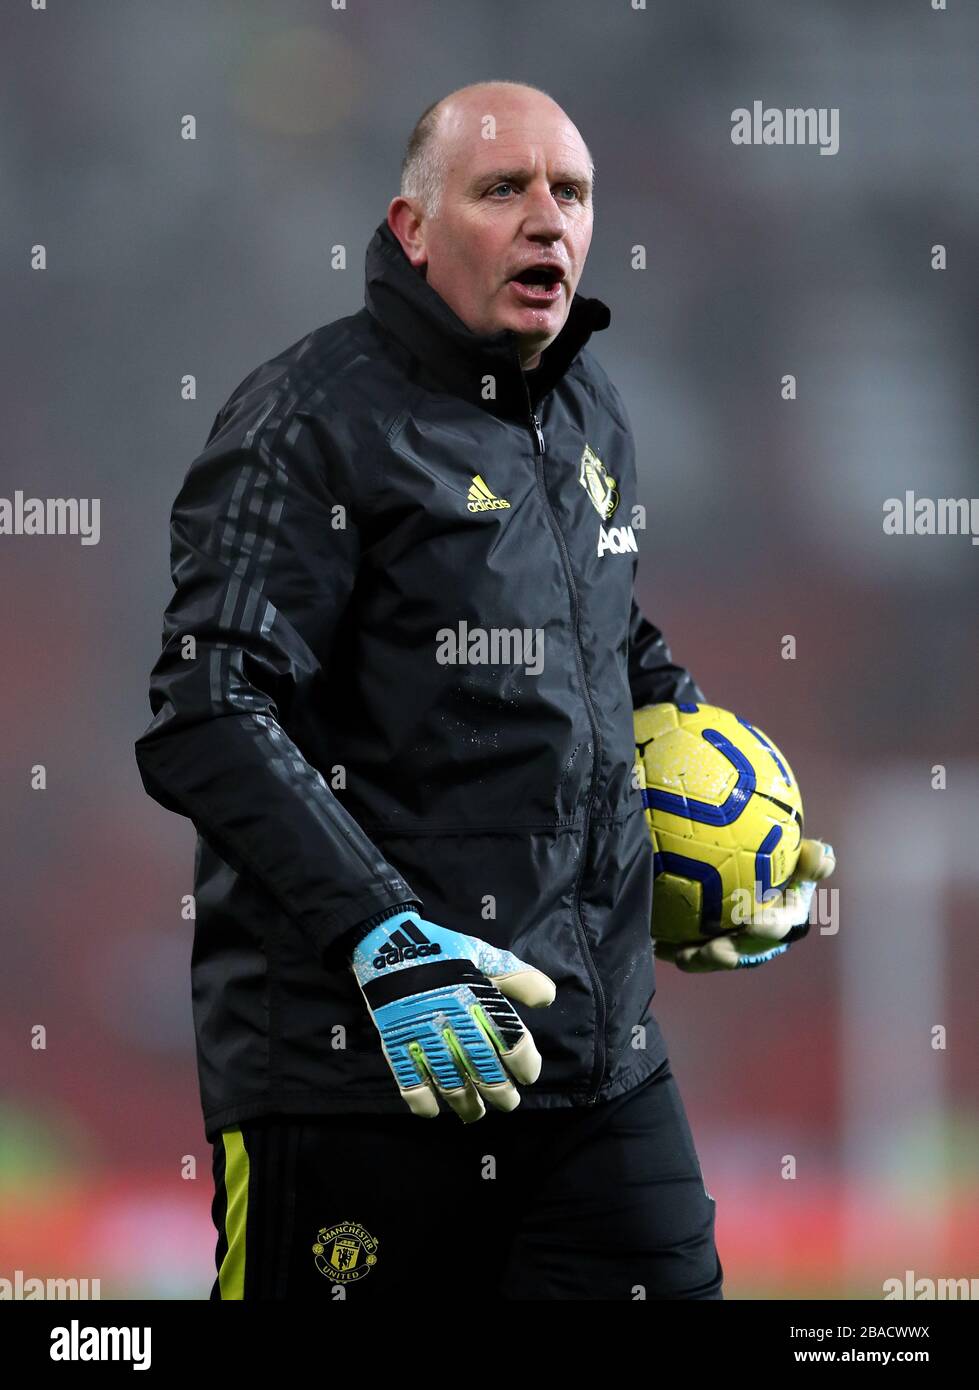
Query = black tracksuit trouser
x=599 y=1202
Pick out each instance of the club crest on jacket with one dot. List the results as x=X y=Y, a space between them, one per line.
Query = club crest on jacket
x=594 y=478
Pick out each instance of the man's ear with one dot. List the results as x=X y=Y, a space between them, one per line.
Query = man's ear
x=404 y=219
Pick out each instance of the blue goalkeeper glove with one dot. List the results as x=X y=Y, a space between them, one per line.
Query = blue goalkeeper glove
x=771 y=928
x=437 y=999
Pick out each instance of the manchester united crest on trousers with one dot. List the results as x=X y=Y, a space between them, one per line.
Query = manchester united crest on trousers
x=345 y=1252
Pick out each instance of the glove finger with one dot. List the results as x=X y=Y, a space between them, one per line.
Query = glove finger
x=816 y=860
x=523 y=1061
x=446 y=1066
x=502 y=1095
x=508 y=1038
x=685 y=958
x=520 y=981
x=480 y=1084
x=419 y=1097
x=464 y=1100
x=720 y=953
x=771 y=920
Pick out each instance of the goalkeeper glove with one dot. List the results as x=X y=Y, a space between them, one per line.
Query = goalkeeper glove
x=436 y=997
x=771 y=929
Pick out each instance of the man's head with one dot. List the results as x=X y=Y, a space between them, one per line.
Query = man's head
x=497 y=181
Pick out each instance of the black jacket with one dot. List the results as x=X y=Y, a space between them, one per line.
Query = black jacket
x=383 y=481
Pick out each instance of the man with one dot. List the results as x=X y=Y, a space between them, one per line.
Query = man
x=396 y=699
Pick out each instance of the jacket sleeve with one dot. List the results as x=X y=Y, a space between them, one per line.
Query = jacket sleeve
x=262 y=573
x=654 y=677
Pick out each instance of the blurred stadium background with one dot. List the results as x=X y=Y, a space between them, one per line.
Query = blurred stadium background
x=169 y=257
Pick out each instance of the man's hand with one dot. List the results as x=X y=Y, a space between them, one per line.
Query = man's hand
x=770 y=929
x=437 y=999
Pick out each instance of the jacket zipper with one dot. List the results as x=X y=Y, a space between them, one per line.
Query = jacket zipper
x=596 y=759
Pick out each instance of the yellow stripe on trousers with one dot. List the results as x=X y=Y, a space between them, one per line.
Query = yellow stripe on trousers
x=231 y=1276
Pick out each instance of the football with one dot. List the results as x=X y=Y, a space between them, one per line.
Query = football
x=725 y=814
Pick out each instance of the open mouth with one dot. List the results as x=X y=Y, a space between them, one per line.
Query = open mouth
x=537 y=284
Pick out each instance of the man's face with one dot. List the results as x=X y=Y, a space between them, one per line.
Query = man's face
x=510 y=204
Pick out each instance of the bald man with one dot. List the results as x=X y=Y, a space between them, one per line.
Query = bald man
x=510 y=180
x=396 y=699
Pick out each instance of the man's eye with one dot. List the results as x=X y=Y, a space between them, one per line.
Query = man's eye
x=564 y=186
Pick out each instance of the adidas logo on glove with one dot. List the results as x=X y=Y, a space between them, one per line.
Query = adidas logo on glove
x=407 y=943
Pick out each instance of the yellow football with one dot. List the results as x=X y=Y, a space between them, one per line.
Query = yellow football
x=725 y=814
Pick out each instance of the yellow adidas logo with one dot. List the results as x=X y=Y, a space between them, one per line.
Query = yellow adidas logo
x=482 y=499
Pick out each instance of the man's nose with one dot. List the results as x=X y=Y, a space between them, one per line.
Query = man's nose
x=543 y=214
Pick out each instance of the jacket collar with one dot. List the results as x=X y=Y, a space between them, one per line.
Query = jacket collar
x=404 y=303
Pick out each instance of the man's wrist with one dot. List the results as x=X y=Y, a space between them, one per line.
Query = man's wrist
x=362 y=929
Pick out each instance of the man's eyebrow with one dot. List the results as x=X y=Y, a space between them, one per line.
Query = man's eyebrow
x=521 y=175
